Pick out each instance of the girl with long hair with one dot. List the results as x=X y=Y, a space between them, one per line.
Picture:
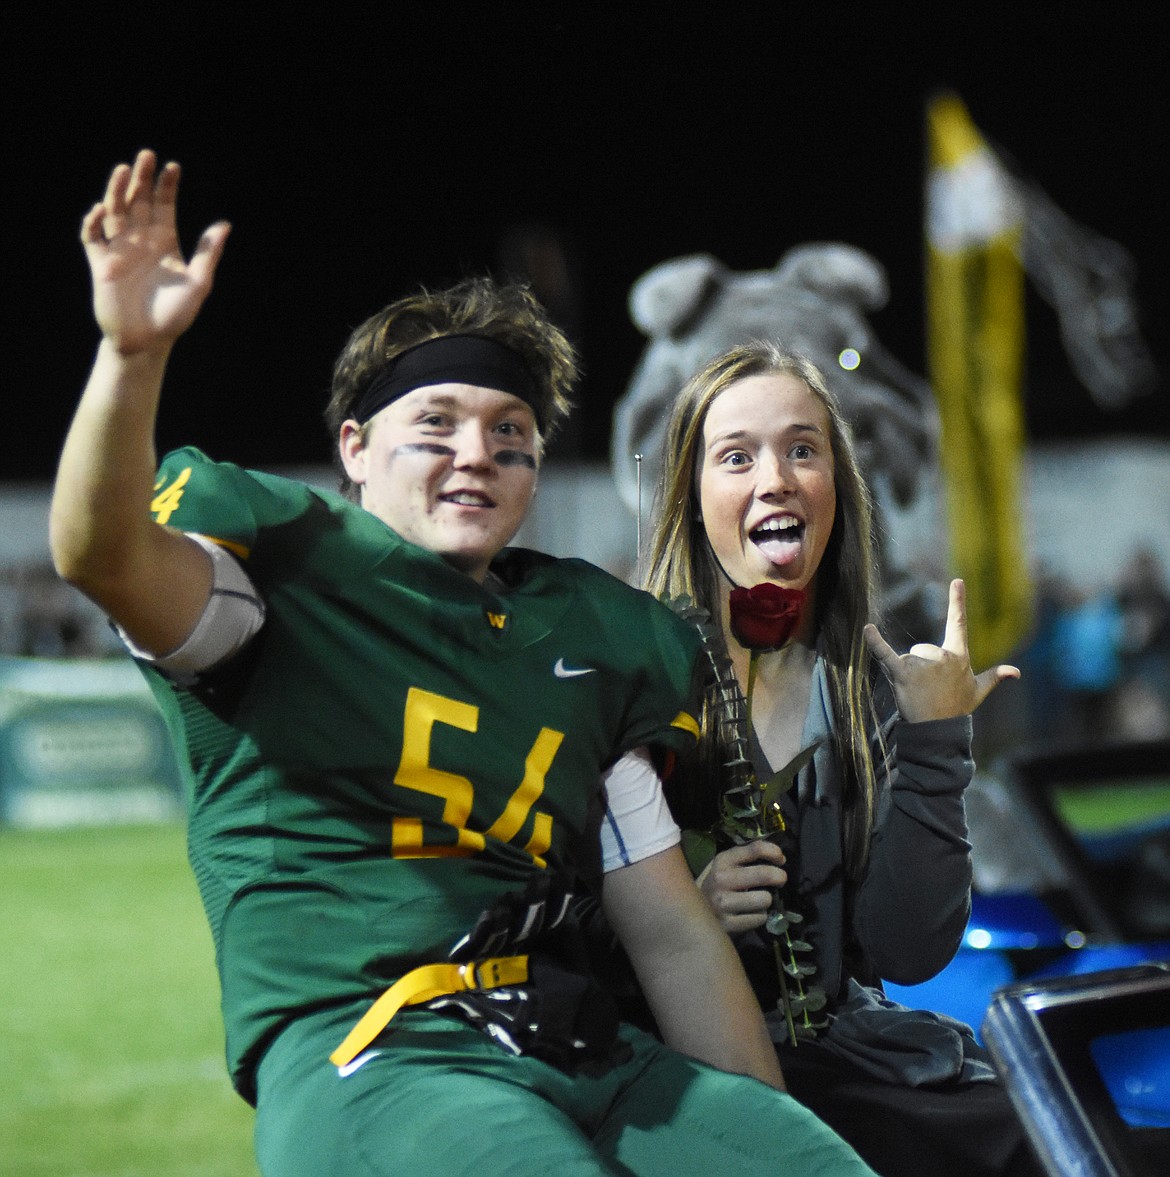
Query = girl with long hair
x=861 y=870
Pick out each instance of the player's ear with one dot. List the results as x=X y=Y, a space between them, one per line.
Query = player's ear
x=351 y=446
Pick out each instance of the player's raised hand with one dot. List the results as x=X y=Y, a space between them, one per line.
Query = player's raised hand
x=145 y=294
x=937 y=682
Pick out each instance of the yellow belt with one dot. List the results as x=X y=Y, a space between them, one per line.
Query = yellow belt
x=422 y=984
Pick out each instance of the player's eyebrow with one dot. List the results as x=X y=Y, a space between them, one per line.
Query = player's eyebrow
x=438 y=400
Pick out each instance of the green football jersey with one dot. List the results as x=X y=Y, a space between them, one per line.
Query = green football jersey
x=398 y=746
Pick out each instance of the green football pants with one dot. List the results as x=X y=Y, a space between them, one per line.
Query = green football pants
x=434 y=1097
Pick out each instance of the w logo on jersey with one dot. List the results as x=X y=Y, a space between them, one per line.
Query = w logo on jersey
x=496 y=620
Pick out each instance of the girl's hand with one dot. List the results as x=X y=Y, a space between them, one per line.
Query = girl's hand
x=936 y=682
x=738 y=884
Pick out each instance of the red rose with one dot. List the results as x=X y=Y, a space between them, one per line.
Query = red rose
x=763 y=618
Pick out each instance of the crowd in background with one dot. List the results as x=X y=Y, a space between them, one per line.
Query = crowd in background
x=1097 y=665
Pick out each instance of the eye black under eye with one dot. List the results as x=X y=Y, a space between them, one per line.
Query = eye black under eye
x=516 y=458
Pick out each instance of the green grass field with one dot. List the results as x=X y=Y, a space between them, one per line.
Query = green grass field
x=109 y=1025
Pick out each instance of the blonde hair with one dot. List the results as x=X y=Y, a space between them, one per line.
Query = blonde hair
x=682 y=563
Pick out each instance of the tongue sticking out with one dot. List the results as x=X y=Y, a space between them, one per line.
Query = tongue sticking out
x=779 y=548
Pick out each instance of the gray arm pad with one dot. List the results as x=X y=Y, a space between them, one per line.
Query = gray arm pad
x=231 y=618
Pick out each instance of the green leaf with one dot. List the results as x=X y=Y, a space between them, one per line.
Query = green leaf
x=739 y=832
x=776 y=922
x=780 y=782
x=800 y=946
x=698 y=847
x=740 y=821
x=745 y=811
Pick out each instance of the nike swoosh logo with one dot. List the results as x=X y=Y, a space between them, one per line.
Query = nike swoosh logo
x=563 y=671
x=349 y=1068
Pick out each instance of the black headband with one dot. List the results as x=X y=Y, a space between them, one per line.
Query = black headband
x=451 y=359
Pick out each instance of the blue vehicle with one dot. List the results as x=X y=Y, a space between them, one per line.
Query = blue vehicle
x=1102 y=818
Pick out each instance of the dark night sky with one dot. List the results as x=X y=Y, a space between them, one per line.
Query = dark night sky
x=358 y=151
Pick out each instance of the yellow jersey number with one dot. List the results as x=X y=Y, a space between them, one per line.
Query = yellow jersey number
x=166 y=500
x=423 y=710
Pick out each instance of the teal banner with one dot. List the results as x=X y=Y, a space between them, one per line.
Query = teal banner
x=82 y=743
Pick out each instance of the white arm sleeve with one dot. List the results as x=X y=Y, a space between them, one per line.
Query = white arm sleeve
x=637 y=822
x=233 y=614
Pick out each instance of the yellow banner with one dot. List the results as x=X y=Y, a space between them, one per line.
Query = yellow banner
x=975 y=341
